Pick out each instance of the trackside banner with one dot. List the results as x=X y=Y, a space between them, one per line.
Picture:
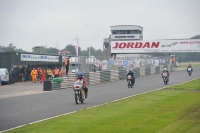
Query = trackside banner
x=43 y=58
x=190 y=45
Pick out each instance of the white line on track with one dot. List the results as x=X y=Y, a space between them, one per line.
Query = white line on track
x=20 y=94
x=97 y=105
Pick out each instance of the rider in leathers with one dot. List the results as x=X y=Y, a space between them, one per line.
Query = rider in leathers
x=165 y=70
x=189 y=66
x=132 y=76
x=80 y=77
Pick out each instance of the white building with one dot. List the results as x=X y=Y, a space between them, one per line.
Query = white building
x=124 y=33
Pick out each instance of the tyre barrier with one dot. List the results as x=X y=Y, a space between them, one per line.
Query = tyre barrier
x=147 y=70
x=56 y=86
x=47 y=85
x=137 y=72
x=111 y=75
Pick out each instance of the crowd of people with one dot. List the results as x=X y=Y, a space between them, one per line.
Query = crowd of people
x=23 y=74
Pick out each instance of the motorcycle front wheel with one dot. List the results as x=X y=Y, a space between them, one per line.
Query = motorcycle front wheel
x=76 y=98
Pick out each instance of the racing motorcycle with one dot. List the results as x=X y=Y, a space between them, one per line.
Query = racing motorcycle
x=79 y=92
x=165 y=78
x=129 y=80
x=189 y=71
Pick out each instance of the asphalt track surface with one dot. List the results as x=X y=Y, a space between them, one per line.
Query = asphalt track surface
x=24 y=103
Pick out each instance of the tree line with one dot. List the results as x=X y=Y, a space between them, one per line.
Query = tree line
x=51 y=50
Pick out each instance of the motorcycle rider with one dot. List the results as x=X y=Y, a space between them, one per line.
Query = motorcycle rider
x=80 y=77
x=131 y=73
x=165 y=70
x=189 y=66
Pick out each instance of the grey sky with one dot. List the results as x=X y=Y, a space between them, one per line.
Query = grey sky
x=28 y=23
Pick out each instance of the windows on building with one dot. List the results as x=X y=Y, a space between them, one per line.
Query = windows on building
x=126 y=32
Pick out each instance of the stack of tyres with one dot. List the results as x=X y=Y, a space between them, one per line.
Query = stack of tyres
x=47 y=85
x=55 y=86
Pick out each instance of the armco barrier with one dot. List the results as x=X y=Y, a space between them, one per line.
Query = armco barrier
x=111 y=75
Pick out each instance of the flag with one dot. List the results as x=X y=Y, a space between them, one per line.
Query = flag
x=58 y=51
x=76 y=47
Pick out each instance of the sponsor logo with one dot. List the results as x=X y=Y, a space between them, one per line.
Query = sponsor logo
x=123 y=45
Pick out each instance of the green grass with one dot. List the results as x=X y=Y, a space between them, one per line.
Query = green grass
x=172 y=110
x=185 y=64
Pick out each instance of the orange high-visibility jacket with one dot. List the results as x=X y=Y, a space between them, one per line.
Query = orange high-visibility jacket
x=56 y=71
x=67 y=61
x=34 y=72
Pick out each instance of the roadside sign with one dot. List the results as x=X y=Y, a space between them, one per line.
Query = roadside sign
x=124 y=63
x=111 y=62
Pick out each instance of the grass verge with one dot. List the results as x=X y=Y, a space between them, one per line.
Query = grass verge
x=185 y=64
x=174 y=109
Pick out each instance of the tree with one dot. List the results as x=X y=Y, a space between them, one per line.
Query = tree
x=71 y=49
x=196 y=37
x=9 y=48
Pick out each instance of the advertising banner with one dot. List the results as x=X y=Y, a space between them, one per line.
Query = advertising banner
x=155 y=62
x=136 y=63
x=104 y=64
x=190 y=45
x=116 y=62
x=33 y=57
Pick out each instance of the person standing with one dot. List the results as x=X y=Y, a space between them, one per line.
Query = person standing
x=43 y=75
x=25 y=73
x=56 y=72
x=34 y=74
x=67 y=65
x=49 y=73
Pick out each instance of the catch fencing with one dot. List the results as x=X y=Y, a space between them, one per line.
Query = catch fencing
x=105 y=63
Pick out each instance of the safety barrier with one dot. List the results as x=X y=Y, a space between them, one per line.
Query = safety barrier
x=157 y=69
x=112 y=75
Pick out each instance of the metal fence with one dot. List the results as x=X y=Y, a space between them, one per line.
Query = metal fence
x=105 y=63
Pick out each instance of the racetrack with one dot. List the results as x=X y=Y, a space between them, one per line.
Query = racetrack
x=16 y=110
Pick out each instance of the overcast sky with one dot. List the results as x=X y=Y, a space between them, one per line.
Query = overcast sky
x=29 y=23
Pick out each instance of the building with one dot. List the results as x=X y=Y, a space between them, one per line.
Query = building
x=121 y=33
x=30 y=60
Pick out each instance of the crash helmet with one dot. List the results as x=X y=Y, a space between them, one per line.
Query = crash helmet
x=80 y=75
x=129 y=71
x=165 y=69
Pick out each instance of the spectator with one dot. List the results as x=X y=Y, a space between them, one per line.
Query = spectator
x=34 y=74
x=56 y=72
x=49 y=73
x=25 y=73
x=67 y=65
x=94 y=68
x=43 y=75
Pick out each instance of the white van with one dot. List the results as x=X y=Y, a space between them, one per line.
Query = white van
x=4 y=75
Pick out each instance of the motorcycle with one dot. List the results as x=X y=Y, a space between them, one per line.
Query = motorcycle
x=129 y=78
x=189 y=71
x=165 y=78
x=79 y=92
